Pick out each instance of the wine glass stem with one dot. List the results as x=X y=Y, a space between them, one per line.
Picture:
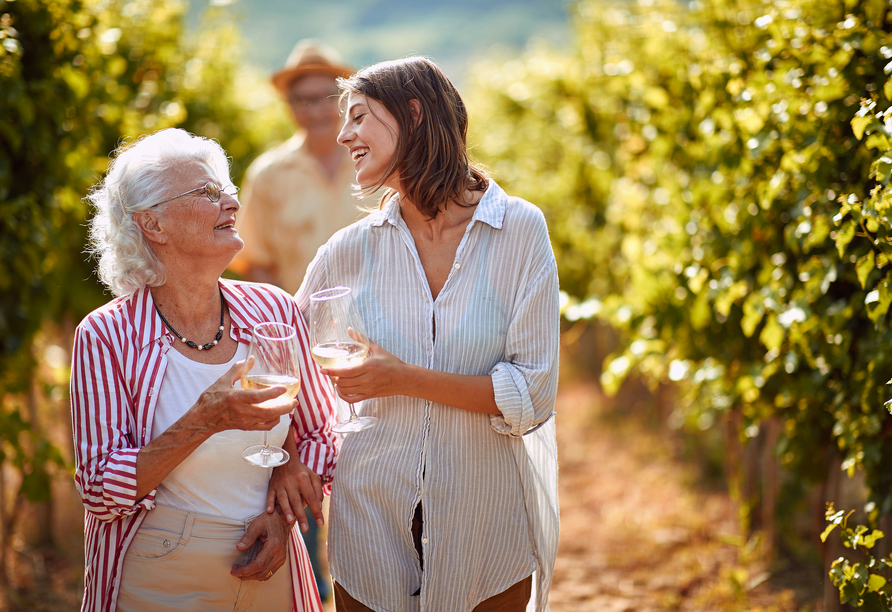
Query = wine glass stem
x=265 y=449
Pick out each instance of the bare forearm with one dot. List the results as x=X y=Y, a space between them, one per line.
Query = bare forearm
x=471 y=393
x=290 y=443
x=159 y=457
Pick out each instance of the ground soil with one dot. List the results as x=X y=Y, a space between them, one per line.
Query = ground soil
x=639 y=530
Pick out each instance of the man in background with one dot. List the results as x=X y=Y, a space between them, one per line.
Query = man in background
x=297 y=194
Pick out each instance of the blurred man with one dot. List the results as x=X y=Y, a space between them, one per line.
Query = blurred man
x=296 y=195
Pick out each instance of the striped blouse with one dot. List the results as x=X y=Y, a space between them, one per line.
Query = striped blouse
x=118 y=364
x=488 y=492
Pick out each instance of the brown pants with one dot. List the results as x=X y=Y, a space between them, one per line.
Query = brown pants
x=512 y=599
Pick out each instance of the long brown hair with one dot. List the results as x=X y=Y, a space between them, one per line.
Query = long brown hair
x=431 y=156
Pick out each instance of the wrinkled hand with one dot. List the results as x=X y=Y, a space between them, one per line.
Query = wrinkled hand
x=221 y=407
x=272 y=530
x=380 y=374
x=294 y=486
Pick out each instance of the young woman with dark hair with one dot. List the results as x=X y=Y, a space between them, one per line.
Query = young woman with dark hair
x=446 y=504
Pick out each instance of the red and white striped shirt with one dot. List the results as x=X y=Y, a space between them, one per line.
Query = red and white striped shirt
x=118 y=364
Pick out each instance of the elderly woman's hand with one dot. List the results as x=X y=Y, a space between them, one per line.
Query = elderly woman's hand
x=221 y=407
x=294 y=486
x=381 y=374
x=272 y=531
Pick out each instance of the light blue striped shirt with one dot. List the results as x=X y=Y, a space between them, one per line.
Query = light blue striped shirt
x=489 y=493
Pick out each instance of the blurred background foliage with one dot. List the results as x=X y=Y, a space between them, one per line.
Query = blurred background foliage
x=715 y=177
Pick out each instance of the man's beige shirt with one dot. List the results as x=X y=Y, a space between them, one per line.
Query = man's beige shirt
x=290 y=208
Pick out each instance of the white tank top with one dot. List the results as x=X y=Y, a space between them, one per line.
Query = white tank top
x=214 y=479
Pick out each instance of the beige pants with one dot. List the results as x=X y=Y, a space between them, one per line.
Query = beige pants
x=180 y=560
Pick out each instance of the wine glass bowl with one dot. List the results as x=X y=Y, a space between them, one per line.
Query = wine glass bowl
x=272 y=361
x=339 y=341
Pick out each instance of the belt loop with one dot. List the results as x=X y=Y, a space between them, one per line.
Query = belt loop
x=187 y=527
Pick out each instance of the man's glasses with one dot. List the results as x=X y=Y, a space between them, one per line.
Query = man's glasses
x=308 y=102
x=211 y=190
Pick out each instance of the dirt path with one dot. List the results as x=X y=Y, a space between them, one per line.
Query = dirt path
x=635 y=533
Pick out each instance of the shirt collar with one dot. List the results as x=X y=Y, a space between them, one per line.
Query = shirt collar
x=242 y=314
x=490 y=209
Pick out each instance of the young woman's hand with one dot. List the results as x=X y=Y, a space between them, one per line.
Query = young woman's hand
x=380 y=374
x=294 y=486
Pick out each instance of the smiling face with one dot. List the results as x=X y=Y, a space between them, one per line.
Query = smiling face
x=194 y=227
x=313 y=100
x=370 y=134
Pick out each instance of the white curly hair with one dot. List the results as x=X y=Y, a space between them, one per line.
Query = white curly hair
x=136 y=180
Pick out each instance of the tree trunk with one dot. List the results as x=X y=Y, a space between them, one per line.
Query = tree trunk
x=833 y=548
x=771 y=429
x=42 y=512
x=4 y=529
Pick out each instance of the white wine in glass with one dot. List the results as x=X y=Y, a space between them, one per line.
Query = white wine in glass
x=272 y=361
x=339 y=341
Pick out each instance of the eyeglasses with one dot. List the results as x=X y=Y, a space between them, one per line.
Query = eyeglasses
x=211 y=190
x=308 y=102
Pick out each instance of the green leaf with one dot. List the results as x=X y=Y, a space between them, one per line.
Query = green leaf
x=877 y=140
x=827 y=531
x=875 y=582
x=869 y=540
x=860 y=124
x=848 y=594
x=873 y=9
x=887 y=90
x=772 y=335
x=866 y=264
x=844 y=236
x=877 y=308
x=882 y=167
x=753 y=311
x=859 y=579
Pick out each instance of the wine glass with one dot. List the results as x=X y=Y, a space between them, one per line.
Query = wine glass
x=272 y=361
x=339 y=340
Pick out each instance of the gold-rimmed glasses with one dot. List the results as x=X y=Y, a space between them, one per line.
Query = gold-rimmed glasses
x=212 y=190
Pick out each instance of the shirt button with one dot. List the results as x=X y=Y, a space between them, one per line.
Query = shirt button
x=424 y=540
x=166 y=544
x=457 y=266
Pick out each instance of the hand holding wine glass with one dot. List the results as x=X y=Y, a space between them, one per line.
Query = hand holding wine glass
x=339 y=340
x=272 y=361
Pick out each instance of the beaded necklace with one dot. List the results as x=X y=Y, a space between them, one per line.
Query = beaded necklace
x=200 y=347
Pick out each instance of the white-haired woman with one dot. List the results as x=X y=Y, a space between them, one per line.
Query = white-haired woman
x=175 y=518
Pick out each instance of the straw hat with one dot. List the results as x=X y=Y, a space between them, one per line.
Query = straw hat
x=310 y=56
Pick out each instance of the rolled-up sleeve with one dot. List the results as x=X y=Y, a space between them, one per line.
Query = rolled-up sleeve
x=525 y=384
x=103 y=425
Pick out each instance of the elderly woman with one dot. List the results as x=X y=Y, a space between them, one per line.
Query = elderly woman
x=175 y=518
x=446 y=504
